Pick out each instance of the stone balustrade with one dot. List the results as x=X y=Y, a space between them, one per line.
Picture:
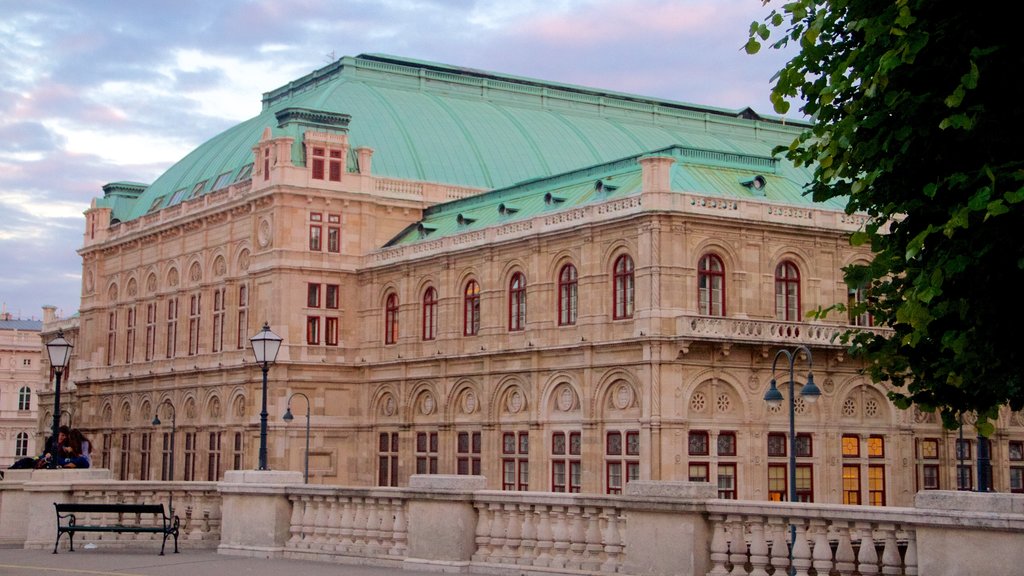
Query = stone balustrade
x=451 y=524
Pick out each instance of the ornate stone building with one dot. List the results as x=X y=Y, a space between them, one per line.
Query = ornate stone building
x=19 y=383
x=556 y=287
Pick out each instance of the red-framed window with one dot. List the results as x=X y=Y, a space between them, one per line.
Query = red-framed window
x=726 y=443
x=317 y=163
x=333 y=233
x=429 y=313
x=334 y=165
x=699 y=472
x=145 y=455
x=387 y=459
x=787 y=292
x=711 y=286
x=698 y=444
x=331 y=296
x=517 y=302
x=243 y=317
x=218 y=319
x=876 y=485
x=111 y=337
x=876 y=447
x=622 y=459
x=804 y=445
x=129 y=348
x=777 y=485
x=851 y=446
x=312 y=295
x=195 y=315
x=426 y=452
x=391 y=319
x=213 y=457
x=312 y=330
x=471 y=309
x=331 y=331
x=315 y=231
x=777 y=444
x=172 y=327
x=266 y=163
x=325 y=163
x=623 y=282
x=150 y=331
x=928 y=477
x=727 y=481
x=515 y=460
x=467 y=453
x=566 y=463
x=804 y=483
x=568 y=301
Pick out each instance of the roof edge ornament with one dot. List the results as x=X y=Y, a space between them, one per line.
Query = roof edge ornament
x=322 y=119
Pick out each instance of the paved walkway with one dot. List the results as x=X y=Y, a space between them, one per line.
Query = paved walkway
x=100 y=562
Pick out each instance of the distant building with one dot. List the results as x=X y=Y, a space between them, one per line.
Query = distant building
x=559 y=288
x=20 y=371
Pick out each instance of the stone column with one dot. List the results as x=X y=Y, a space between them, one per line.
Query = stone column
x=255 y=512
x=442 y=522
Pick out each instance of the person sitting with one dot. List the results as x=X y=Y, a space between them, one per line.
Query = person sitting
x=76 y=451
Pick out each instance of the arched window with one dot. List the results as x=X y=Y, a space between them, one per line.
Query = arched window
x=567 y=290
x=854 y=298
x=787 y=292
x=391 y=319
x=711 y=286
x=25 y=398
x=623 y=282
x=21 y=445
x=471 y=314
x=430 y=314
x=517 y=302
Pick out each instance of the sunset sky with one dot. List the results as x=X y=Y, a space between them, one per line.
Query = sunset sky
x=94 y=92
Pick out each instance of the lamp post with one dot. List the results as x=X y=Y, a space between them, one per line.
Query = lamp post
x=773 y=397
x=174 y=425
x=265 y=346
x=59 y=351
x=288 y=418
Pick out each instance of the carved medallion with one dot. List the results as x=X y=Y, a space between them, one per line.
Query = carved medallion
x=263 y=236
x=623 y=397
x=515 y=402
x=427 y=404
x=469 y=402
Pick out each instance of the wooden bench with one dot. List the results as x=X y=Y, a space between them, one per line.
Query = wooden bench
x=128 y=520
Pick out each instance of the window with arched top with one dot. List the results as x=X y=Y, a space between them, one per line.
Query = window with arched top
x=623 y=282
x=471 y=309
x=787 y=292
x=517 y=302
x=567 y=295
x=25 y=398
x=391 y=319
x=855 y=298
x=21 y=445
x=711 y=286
x=430 y=313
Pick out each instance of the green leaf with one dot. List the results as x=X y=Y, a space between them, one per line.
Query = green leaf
x=859 y=238
x=752 y=46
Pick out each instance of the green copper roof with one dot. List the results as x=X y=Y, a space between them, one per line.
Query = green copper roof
x=696 y=171
x=433 y=122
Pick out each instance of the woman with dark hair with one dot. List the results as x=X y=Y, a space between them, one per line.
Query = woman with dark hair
x=76 y=451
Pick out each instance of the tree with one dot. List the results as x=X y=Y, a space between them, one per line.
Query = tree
x=917 y=122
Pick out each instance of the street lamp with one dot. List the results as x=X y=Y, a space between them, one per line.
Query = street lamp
x=773 y=397
x=265 y=345
x=59 y=351
x=174 y=425
x=810 y=394
x=288 y=418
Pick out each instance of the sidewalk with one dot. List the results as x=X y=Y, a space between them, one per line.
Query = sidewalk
x=100 y=562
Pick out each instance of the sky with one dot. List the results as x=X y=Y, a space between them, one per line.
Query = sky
x=94 y=91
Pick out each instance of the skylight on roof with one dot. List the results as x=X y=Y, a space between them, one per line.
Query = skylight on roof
x=177 y=196
x=156 y=204
x=221 y=181
x=197 y=189
x=244 y=172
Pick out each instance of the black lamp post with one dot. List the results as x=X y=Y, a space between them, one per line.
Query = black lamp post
x=59 y=351
x=174 y=425
x=265 y=346
x=288 y=418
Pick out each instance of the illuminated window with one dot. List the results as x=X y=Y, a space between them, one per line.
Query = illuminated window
x=876 y=485
x=711 y=286
x=777 y=482
x=851 y=484
x=851 y=446
x=623 y=288
x=929 y=448
x=787 y=292
x=876 y=447
x=804 y=483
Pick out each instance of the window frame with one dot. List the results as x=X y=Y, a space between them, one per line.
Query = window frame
x=623 y=288
x=429 y=314
x=517 y=302
x=471 y=309
x=711 y=298
x=787 y=287
x=391 y=310
x=568 y=295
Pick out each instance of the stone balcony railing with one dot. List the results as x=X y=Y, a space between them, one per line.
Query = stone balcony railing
x=762 y=332
x=449 y=523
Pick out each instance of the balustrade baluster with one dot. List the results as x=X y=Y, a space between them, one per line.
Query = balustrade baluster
x=910 y=555
x=612 y=541
x=528 y=545
x=401 y=530
x=308 y=522
x=333 y=526
x=373 y=542
x=780 y=549
x=822 y=554
x=845 y=558
x=891 y=563
x=359 y=527
x=386 y=533
x=559 y=536
x=867 y=557
x=737 y=546
x=593 y=550
x=345 y=541
x=758 y=547
x=513 y=534
x=719 y=546
x=801 y=551
x=483 y=533
x=577 y=538
x=497 y=533
x=544 y=537
x=319 y=524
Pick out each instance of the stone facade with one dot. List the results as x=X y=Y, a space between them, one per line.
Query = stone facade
x=19 y=383
x=409 y=369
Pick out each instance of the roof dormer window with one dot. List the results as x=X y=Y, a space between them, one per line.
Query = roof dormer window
x=506 y=210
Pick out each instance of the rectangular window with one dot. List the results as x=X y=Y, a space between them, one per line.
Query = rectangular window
x=1017 y=479
x=144 y=456
x=150 y=331
x=243 y=317
x=111 y=338
x=620 y=469
x=213 y=465
x=876 y=447
x=333 y=239
x=727 y=481
x=105 y=457
x=851 y=483
x=698 y=444
x=776 y=444
x=1015 y=451
x=172 y=327
x=236 y=452
x=876 y=485
x=312 y=295
x=965 y=477
x=129 y=349
x=726 y=443
x=698 y=472
x=930 y=477
x=218 y=319
x=515 y=461
x=566 y=469
x=851 y=446
x=387 y=459
x=126 y=456
x=804 y=482
x=963 y=449
x=777 y=483
x=194 y=315
x=426 y=452
x=331 y=296
x=331 y=331
x=929 y=448
x=190 y=456
x=314 y=237
x=804 y=446
x=165 y=458
x=334 y=165
x=467 y=457
x=312 y=330
x=317 y=163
